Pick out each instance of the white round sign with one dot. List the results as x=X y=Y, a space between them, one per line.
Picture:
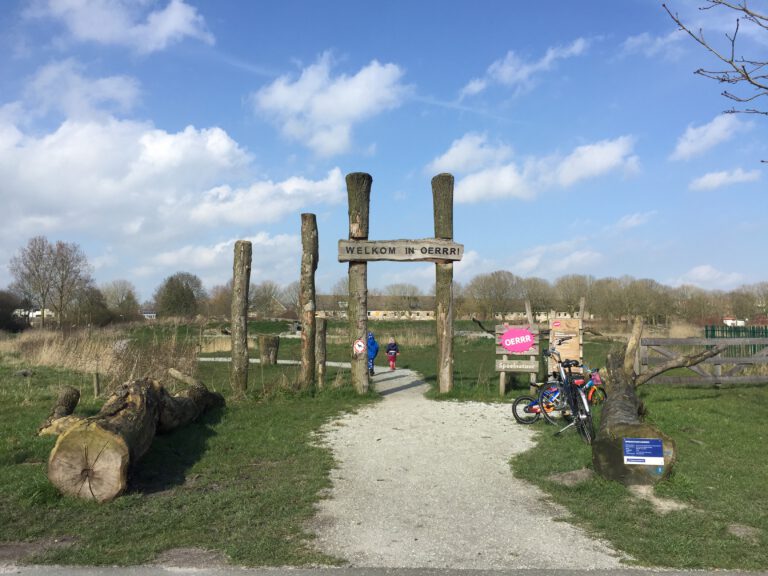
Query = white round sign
x=359 y=346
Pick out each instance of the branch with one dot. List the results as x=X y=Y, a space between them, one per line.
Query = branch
x=740 y=69
x=679 y=362
x=483 y=328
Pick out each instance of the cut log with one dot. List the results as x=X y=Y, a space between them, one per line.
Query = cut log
x=92 y=456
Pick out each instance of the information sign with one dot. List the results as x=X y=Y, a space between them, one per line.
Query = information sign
x=359 y=346
x=647 y=451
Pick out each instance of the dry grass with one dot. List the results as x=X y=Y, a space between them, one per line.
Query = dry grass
x=115 y=358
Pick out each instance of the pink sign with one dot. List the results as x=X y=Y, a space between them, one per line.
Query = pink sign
x=517 y=340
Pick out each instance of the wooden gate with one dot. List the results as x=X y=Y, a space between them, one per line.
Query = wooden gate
x=744 y=361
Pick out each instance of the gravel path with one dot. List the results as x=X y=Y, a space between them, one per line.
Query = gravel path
x=425 y=484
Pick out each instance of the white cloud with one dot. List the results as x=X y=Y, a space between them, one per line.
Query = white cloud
x=130 y=183
x=273 y=257
x=487 y=172
x=698 y=139
x=654 y=46
x=713 y=180
x=320 y=111
x=267 y=201
x=633 y=221
x=514 y=72
x=61 y=87
x=552 y=260
x=593 y=160
x=708 y=277
x=490 y=183
x=125 y=23
x=468 y=153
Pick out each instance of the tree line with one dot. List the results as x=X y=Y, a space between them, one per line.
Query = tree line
x=57 y=277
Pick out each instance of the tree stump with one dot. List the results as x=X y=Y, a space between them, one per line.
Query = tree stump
x=269 y=345
x=92 y=455
x=621 y=418
x=623 y=412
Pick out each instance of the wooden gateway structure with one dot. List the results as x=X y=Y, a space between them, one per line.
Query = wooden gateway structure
x=358 y=251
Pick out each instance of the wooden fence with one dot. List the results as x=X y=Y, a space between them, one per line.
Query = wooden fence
x=744 y=361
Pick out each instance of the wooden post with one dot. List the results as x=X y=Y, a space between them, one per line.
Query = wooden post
x=241 y=279
x=533 y=376
x=359 y=196
x=309 y=259
x=320 y=352
x=269 y=346
x=96 y=385
x=442 y=200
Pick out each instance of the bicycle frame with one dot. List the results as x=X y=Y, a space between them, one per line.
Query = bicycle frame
x=571 y=390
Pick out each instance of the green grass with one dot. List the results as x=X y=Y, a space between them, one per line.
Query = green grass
x=719 y=476
x=242 y=480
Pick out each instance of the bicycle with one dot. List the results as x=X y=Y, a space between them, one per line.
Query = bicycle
x=527 y=409
x=563 y=396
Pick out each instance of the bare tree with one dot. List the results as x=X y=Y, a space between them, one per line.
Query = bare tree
x=539 y=293
x=220 y=300
x=341 y=287
x=71 y=276
x=403 y=296
x=570 y=289
x=497 y=292
x=749 y=74
x=120 y=298
x=289 y=296
x=263 y=297
x=32 y=269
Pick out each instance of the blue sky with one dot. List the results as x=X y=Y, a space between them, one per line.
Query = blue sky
x=155 y=133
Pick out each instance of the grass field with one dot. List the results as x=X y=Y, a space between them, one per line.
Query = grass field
x=244 y=479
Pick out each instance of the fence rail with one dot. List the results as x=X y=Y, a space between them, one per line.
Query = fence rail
x=743 y=361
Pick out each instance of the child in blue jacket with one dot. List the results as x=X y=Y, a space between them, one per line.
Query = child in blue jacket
x=373 y=350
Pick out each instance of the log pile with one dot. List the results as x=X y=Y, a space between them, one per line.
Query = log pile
x=92 y=455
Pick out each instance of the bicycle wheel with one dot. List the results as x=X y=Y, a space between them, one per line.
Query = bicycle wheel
x=552 y=402
x=525 y=409
x=597 y=396
x=583 y=418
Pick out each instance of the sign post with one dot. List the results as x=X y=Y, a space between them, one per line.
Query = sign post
x=441 y=250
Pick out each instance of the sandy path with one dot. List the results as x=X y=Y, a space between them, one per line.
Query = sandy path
x=427 y=484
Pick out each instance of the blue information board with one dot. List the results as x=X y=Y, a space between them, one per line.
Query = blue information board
x=648 y=451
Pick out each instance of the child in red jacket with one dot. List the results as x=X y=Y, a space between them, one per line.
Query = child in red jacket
x=393 y=350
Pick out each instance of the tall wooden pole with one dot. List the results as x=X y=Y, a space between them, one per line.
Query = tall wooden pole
x=241 y=279
x=359 y=196
x=442 y=200
x=309 y=259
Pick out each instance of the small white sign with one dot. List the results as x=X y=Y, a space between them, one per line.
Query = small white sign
x=644 y=451
x=359 y=346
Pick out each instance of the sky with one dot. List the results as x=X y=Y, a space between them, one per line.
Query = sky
x=156 y=133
